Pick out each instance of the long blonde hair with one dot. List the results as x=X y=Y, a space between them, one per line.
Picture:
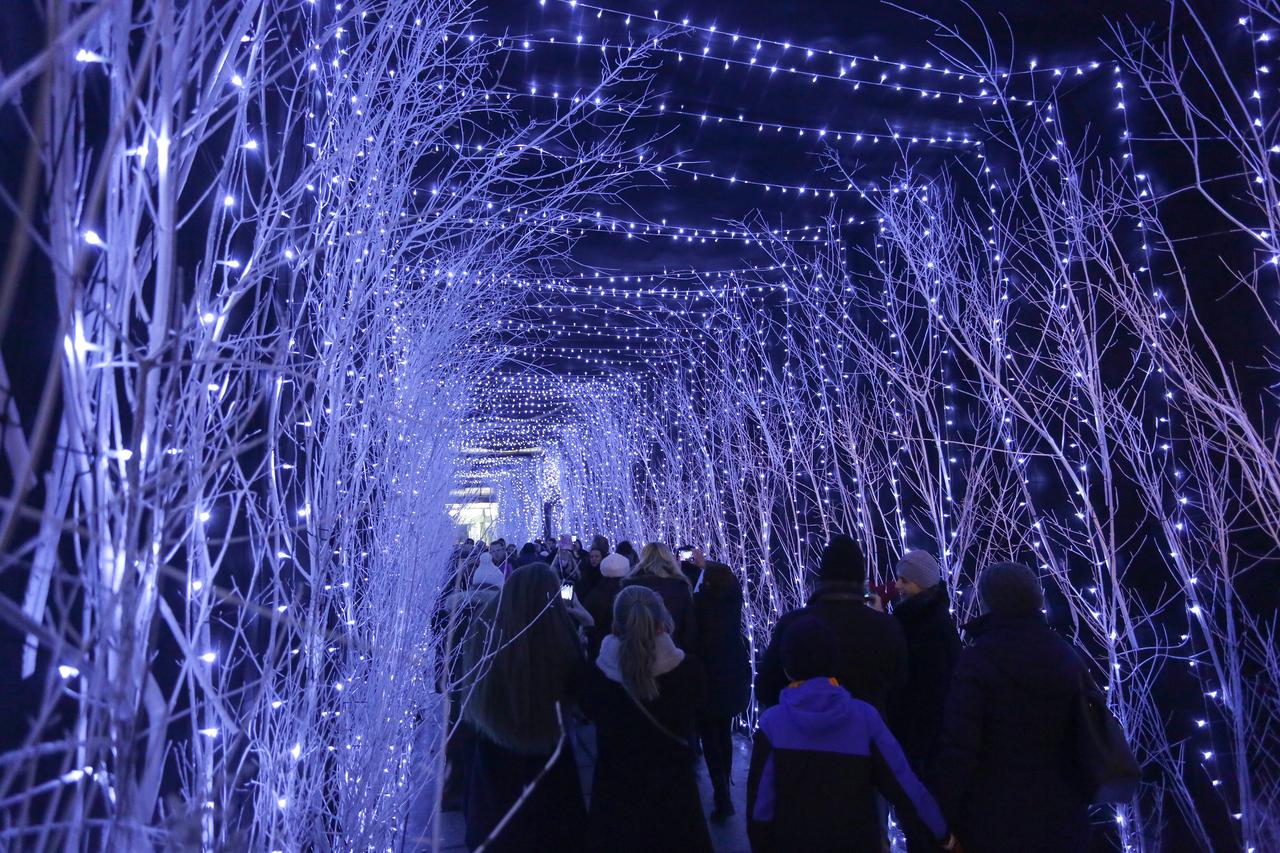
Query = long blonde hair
x=638 y=614
x=657 y=560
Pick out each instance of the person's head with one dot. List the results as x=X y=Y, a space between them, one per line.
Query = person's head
x=625 y=549
x=615 y=566
x=600 y=543
x=916 y=572
x=719 y=578
x=595 y=557
x=524 y=649
x=808 y=649
x=656 y=559
x=842 y=561
x=499 y=552
x=639 y=618
x=528 y=550
x=1010 y=589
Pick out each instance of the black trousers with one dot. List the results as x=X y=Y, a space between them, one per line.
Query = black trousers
x=716 y=734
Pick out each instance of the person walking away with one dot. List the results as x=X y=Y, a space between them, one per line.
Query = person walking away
x=871 y=651
x=599 y=601
x=820 y=757
x=1001 y=774
x=933 y=645
x=528 y=554
x=659 y=571
x=643 y=694
x=722 y=646
x=524 y=655
x=460 y=609
x=627 y=550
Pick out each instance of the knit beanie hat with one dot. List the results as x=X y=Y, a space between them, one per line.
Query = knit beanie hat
x=615 y=566
x=842 y=560
x=808 y=649
x=1010 y=589
x=919 y=567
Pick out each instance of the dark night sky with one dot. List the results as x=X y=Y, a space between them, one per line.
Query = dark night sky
x=1052 y=34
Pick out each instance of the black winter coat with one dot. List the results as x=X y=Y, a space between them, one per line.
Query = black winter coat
x=588 y=577
x=599 y=603
x=722 y=645
x=1001 y=774
x=553 y=818
x=871 y=648
x=677 y=595
x=933 y=645
x=644 y=796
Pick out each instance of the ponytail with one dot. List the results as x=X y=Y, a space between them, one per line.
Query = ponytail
x=638 y=612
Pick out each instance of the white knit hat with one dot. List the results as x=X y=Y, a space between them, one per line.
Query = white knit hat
x=615 y=566
x=919 y=567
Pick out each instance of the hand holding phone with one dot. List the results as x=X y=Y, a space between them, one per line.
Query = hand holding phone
x=566 y=592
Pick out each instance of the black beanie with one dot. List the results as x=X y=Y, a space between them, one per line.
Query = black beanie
x=842 y=560
x=808 y=649
x=1010 y=589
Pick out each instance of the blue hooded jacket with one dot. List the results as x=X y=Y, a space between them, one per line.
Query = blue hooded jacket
x=819 y=758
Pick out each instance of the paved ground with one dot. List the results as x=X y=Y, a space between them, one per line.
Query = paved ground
x=730 y=837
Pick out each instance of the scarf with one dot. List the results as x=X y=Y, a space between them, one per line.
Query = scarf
x=667 y=656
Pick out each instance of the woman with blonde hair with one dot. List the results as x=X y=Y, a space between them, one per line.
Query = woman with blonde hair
x=643 y=695
x=659 y=571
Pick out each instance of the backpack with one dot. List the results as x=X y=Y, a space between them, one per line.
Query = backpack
x=1105 y=768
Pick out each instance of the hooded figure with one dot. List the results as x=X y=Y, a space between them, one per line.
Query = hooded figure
x=871 y=651
x=820 y=757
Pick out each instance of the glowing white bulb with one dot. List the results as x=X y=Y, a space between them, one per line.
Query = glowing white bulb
x=92 y=238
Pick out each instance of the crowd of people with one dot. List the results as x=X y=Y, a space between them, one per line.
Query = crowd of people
x=869 y=706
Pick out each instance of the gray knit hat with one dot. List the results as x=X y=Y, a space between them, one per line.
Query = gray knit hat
x=1010 y=589
x=919 y=567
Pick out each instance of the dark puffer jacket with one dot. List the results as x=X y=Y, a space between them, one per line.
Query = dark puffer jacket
x=871 y=656
x=933 y=645
x=1001 y=774
x=677 y=595
x=722 y=645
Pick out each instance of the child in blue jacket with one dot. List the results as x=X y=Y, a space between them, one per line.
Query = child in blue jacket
x=819 y=758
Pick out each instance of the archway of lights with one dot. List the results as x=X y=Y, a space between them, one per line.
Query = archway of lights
x=287 y=280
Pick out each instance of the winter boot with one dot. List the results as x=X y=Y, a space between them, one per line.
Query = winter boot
x=723 y=802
